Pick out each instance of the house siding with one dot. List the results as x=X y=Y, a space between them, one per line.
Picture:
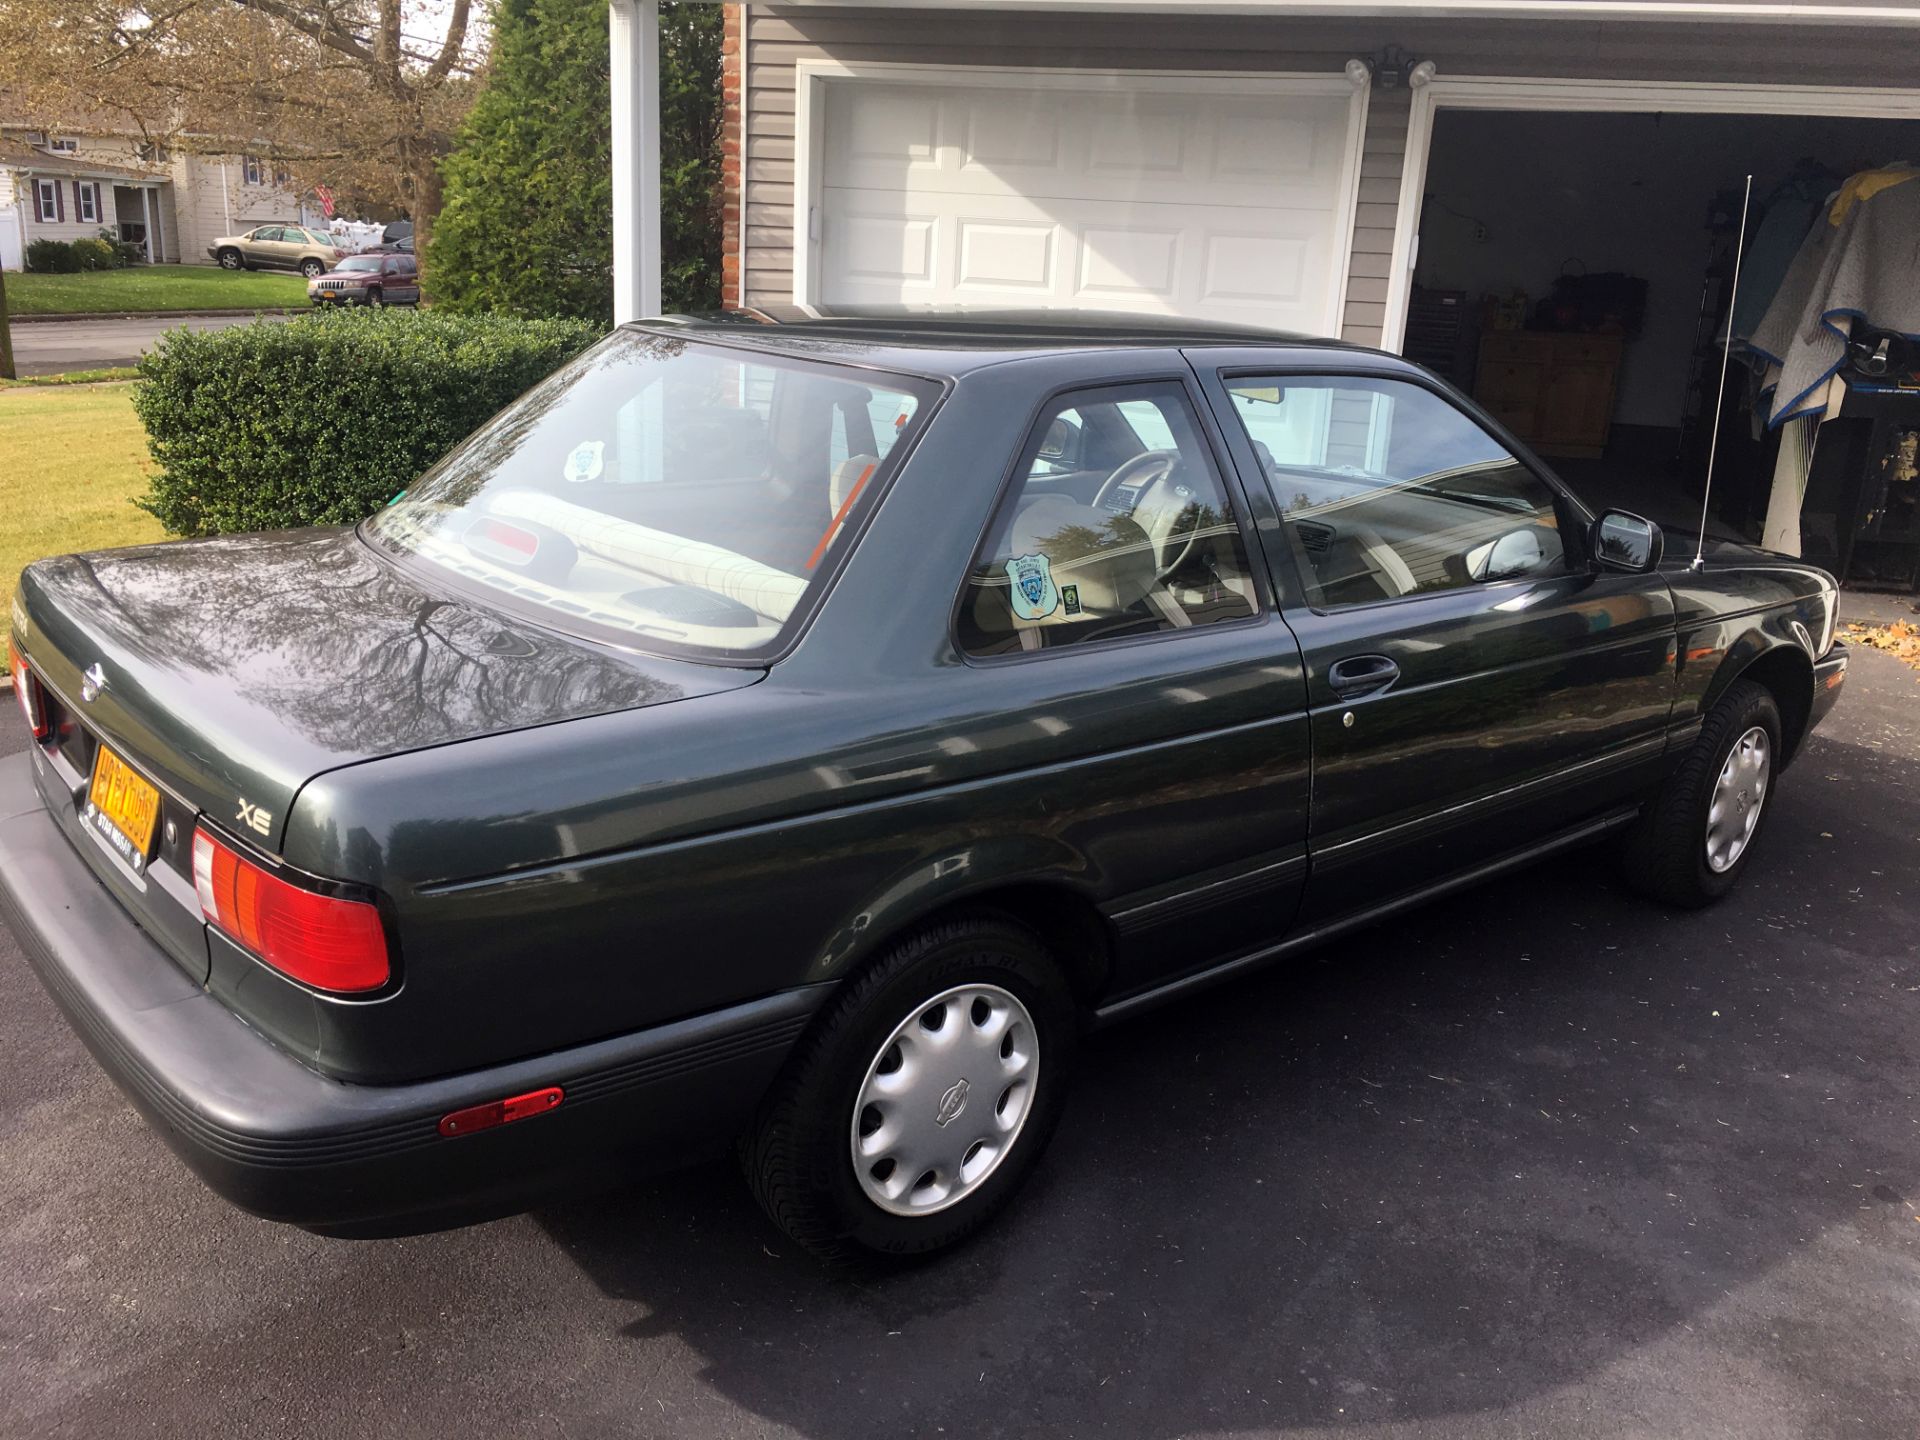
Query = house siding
x=776 y=39
x=202 y=203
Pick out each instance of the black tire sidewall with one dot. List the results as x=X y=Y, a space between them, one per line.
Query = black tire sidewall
x=992 y=953
x=232 y=260
x=1751 y=705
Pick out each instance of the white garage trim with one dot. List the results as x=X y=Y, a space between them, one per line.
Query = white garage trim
x=1499 y=92
x=814 y=76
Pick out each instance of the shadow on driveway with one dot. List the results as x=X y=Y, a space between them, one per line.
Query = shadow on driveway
x=1463 y=1159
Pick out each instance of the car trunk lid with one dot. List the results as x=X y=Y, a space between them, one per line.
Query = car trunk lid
x=231 y=671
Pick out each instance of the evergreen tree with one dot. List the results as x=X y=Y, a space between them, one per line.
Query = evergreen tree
x=527 y=221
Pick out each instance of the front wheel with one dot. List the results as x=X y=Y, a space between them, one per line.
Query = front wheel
x=1695 y=838
x=230 y=259
x=921 y=1098
x=374 y=297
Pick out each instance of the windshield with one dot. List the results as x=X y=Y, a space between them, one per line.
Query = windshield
x=678 y=495
x=359 y=262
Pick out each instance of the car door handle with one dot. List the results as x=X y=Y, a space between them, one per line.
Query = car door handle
x=1361 y=675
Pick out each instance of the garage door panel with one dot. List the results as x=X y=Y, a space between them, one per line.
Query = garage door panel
x=1137 y=266
x=890 y=127
x=1015 y=132
x=1261 y=269
x=1129 y=142
x=993 y=255
x=1250 y=145
x=1201 y=202
x=887 y=246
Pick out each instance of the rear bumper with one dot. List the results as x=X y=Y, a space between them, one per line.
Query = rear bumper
x=1829 y=679
x=288 y=1143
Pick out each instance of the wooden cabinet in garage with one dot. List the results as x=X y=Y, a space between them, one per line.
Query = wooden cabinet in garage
x=1554 y=391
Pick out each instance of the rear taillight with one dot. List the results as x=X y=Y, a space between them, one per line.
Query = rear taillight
x=31 y=704
x=320 y=940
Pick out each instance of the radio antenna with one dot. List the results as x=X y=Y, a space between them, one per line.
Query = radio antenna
x=1726 y=354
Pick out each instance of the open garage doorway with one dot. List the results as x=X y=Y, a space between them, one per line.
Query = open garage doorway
x=1573 y=272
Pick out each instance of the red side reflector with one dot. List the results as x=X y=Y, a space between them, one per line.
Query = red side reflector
x=319 y=940
x=28 y=690
x=501 y=1112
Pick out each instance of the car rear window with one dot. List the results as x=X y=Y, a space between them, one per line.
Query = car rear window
x=665 y=493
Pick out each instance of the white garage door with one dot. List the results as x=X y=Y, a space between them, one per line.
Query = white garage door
x=1189 y=199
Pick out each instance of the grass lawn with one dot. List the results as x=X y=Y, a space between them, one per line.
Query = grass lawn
x=154 y=289
x=72 y=459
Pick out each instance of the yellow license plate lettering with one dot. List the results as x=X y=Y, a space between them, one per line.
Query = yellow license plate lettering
x=129 y=803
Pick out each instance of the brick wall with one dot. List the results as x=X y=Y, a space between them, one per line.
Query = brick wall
x=732 y=123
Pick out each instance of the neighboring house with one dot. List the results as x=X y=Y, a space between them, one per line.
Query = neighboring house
x=174 y=202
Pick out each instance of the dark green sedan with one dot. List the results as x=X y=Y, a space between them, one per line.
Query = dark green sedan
x=794 y=737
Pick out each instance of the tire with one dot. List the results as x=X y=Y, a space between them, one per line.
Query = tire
x=231 y=259
x=374 y=297
x=799 y=1153
x=312 y=269
x=1680 y=851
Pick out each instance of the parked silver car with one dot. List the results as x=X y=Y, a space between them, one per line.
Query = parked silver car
x=381 y=279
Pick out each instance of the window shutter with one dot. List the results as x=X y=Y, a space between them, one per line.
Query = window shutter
x=59 y=204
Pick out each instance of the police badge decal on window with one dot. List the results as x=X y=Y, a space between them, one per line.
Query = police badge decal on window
x=1034 y=594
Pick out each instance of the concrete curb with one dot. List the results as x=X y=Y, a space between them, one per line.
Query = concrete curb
x=145 y=315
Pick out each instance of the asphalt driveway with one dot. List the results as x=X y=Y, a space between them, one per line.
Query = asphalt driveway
x=53 y=347
x=1539 y=1160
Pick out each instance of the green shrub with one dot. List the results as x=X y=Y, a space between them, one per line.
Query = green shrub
x=126 y=254
x=93 y=253
x=52 y=257
x=322 y=420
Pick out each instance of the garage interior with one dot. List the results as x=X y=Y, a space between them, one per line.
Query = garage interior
x=1573 y=274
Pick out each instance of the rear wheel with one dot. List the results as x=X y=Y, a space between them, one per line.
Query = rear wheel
x=231 y=259
x=312 y=268
x=921 y=1098
x=1694 y=839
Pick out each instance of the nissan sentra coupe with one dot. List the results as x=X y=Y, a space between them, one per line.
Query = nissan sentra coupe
x=793 y=737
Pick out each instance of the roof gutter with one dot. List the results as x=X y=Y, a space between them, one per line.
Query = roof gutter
x=1726 y=12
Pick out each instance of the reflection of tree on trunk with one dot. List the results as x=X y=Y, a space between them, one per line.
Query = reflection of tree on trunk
x=340 y=647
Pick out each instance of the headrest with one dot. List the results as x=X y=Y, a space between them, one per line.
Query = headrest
x=846 y=475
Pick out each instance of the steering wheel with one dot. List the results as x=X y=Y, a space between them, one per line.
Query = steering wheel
x=1152 y=474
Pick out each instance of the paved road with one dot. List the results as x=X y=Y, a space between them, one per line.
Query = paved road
x=1539 y=1160
x=52 y=347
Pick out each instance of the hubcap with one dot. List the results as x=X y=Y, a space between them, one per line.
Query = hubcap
x=945 y=1099
x=1738 y=796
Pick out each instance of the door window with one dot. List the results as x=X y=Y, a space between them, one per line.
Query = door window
x=1387 y=490
x=1118 y=526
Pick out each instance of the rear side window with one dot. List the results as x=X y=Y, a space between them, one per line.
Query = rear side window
x=1118 y=526
x=657 y=490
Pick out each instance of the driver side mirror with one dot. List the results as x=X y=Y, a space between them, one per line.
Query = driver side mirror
x=1621 y=540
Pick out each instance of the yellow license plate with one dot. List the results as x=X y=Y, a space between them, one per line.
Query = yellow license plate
x=124 y=800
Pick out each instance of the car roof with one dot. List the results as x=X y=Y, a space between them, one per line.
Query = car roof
x=950 y=343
